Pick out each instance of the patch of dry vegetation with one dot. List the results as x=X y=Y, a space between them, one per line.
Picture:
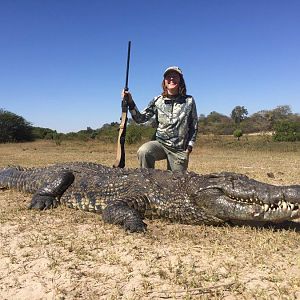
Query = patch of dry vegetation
x=70 y=254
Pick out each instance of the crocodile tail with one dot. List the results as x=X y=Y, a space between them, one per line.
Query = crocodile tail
x=20 y=179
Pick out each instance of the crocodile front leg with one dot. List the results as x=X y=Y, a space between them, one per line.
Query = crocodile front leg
x=119 y=213
x=49 y=194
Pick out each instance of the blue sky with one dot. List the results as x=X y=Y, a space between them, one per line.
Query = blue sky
x=62 y=62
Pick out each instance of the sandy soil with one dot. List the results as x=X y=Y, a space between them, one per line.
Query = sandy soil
x=69 y=254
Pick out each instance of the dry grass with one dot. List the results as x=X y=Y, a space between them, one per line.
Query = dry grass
x=69 y=254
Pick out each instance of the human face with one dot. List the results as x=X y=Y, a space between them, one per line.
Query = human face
x=172 y=80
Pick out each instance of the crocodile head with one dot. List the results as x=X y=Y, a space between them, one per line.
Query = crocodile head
x=230 y=197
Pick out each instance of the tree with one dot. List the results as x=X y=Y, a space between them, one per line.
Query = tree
x=14 y=128
x=42 y=133
x=282 y=111
x=215 y=123
x=238 y=114
x=278 y=114
x=258 y=122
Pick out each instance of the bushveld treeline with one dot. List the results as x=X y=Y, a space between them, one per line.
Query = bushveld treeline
x=281 y=121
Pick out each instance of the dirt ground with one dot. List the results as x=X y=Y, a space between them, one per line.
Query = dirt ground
x=69 y=254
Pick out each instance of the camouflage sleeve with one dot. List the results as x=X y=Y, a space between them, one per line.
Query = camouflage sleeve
x=146 y=114
x=193 y=124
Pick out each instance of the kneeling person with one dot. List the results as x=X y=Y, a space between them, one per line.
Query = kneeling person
x=177 y=123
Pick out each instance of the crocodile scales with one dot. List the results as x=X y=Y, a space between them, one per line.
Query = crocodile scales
x=127 y=196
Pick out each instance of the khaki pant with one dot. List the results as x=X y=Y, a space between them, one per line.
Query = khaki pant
x=153 y=151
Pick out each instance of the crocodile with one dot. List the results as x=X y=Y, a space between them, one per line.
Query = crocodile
x=126 y=197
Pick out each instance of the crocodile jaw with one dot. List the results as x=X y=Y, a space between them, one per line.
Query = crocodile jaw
x=252 y=211
x=214 y=202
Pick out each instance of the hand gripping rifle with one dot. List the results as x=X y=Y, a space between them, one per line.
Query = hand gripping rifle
x=120 y=159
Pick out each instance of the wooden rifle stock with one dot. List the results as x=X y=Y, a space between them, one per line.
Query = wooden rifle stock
x=120 y=158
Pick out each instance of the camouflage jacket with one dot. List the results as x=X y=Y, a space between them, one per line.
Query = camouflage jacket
x=176 y=119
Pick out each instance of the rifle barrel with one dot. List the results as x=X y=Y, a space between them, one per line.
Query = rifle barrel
x=127 y=68
x=120 y=159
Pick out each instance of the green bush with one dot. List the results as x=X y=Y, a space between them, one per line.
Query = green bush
x=108 y=133
x=133 y=134
x=286 y=131
x=238 y=133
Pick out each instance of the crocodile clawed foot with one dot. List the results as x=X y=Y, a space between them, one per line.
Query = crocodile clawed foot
x=119 y=213
x=135 y=226
x=42 y=202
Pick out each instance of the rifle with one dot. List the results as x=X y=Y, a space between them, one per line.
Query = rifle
x=120 y=158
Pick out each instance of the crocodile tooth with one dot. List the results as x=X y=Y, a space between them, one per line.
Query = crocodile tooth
x=292 y=205
x=266 y=207
x=284 y=205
